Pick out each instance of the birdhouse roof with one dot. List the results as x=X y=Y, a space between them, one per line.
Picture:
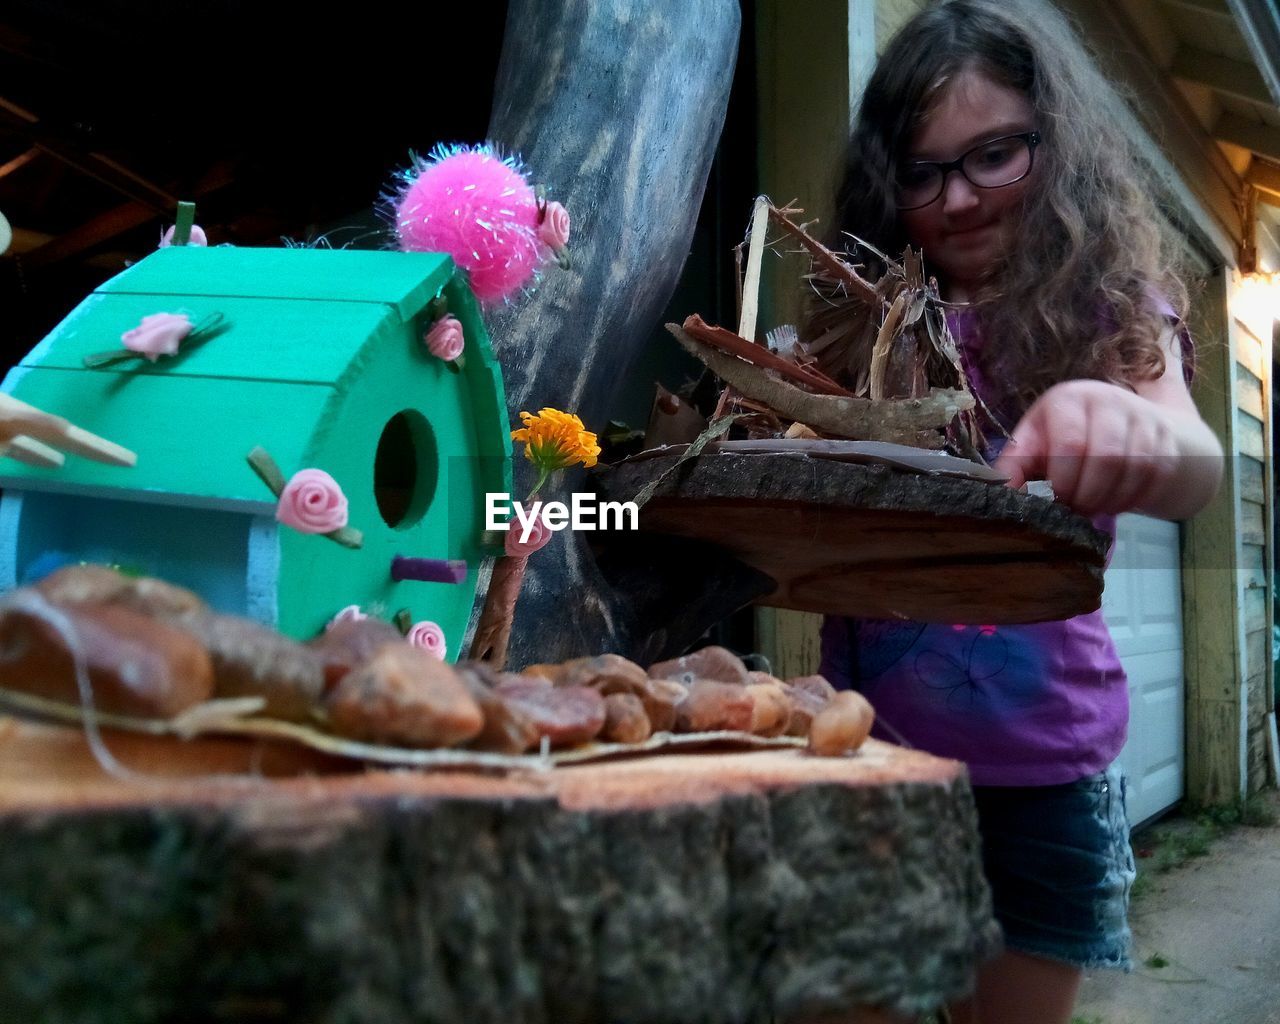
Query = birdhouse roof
x=302 y=328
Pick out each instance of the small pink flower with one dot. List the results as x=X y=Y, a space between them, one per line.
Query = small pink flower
x=445 y=339
x=554 y=228
x=312 y=502
x=197 y=237
x=351 y=613
x=429 y=637
x=158 y=335
x=539 y=535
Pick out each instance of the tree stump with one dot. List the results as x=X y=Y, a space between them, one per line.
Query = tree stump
x=850 y=539
x=735 y=887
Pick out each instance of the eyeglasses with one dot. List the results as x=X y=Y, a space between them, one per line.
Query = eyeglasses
x=992 y=164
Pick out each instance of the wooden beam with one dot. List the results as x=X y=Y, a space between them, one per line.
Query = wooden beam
x=1221 y=74
x=1258 y=22
x=98 y=166
x=89 y=234
x=18 y=161
x=1240 y=131
x=1265 y=176
x=118 y=220
x=1195 y=180
x=1211 y=597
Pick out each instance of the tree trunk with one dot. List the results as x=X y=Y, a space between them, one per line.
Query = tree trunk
x=617 y=107
x=739 y=887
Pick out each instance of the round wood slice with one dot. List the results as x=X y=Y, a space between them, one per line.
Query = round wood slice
x=875 y=541
x=754 y=887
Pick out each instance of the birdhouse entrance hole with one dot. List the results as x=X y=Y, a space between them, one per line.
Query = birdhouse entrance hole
x=405 y=469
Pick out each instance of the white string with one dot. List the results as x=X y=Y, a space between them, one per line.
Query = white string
x=33 y=603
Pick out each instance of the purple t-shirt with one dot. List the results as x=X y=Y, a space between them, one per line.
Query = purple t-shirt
x=1021 y=705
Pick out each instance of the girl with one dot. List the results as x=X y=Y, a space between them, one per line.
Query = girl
x=987 y=139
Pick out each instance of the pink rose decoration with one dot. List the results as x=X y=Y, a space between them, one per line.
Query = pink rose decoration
x=351 y=613
x=158 y=335
x=539 y=535
x=429 y=637
x=445 y=339
x=197 y=237
x=312 y=502
x=554 y=229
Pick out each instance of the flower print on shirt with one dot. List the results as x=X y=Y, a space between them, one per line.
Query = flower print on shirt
x=882 y=643
x=960 y=671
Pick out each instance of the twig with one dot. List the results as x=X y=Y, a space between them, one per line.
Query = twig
x=837 y=267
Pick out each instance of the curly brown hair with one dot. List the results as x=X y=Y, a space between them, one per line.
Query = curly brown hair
x=1082 y=297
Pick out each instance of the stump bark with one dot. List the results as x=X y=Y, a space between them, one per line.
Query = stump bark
x=730 y=887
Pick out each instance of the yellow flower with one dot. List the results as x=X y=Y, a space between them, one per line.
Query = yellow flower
x=555 y=440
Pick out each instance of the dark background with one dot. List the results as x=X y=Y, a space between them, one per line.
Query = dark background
x=284 y=124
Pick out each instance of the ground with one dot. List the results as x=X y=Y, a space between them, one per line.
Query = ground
x=1206 y=924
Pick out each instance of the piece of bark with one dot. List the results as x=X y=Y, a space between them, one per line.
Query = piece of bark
x=566 y=715
x=705 y=663
x=100 y=584
x=405 y=697
x=625 y=719
x=136 y=665
x=493 y=631
x=250 y=660
x=712 y=705
x=348 y=644
x=900 y=420
x=506 y=729
x=672 y=420
x=726 y=341
x=894 y=544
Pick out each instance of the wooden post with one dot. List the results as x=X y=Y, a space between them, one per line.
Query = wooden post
x=814 y=60
x=1210 y=588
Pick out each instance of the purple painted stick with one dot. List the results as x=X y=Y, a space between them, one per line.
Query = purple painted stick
x=428 y=570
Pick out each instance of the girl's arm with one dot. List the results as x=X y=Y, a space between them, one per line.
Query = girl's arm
x=1105 y=448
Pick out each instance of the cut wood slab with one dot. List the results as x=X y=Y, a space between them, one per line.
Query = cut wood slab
x=874 y=541
x=753 y=887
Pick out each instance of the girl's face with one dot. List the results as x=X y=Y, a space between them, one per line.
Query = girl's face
x=967 y=230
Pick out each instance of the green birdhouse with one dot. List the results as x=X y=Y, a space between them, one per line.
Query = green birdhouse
x=321 y=362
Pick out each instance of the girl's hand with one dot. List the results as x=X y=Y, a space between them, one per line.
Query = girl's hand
x=1102 y=447
x=1105 y=448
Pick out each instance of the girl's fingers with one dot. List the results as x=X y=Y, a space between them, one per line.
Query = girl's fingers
x=1023 y=455
x=1103 y=461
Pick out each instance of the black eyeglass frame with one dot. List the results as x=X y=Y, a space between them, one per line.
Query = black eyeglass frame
x=1032 y=139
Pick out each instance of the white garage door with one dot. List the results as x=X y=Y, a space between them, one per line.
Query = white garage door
x=1142 y=604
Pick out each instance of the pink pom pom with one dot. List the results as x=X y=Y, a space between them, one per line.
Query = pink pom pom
x=478 y=207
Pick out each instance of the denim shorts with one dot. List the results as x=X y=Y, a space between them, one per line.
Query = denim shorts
x=1060 y=867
